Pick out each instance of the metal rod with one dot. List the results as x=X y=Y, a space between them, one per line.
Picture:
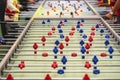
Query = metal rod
x=54 y=71
x=38 y=34
x=67 y=65
x=67 y=50
x=14 y=59
x=25 y=41
x=94 y=17
x=70 y=78
x=17 y=54
x=77 y=46
x=27 y=37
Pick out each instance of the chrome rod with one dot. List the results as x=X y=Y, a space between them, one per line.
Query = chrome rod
x=67 y=65
x=54 y=71
x=70 y=78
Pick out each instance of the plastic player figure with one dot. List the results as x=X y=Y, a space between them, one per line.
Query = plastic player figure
x=48 y=13
x=61 y=14
x=72 y=14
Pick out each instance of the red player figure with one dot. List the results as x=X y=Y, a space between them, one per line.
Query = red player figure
x=54 y=65
x=62 y=24
x=49 y=34
x=61 y=14
x=73 y=28
x=48 y=4
x=9 y=77
x=87 y=46
x=21 y=65
x=54 y=10
x=87 y=65
x=35 y=52
x=92 y=33
x=78 y=7
x=90 y=39
x=115 y=22
x=93 y=28
x=48 y=13
x=74 y=54
x=86 y=77
x=48 y=77
x=61 y=46
x=45 y=54
x=99 y=23
x=43 y=39
x=53 y=29
x=103 y=54
x=67 y=40
x=76 y=13
x=81 y=24
x=71 y=33
x=90 y=44
x=35 y=46
x=87 y=52
x=81 y=10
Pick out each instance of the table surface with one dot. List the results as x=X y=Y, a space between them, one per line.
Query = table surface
x=54 y=8
x=40 y=66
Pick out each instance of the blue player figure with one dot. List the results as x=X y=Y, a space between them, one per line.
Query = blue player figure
x=64 y=61
x=78 y=27
x=57 y=42
x=110 y=50
x=106 y=43
x=48 y=21
x=43 y=22
x=55 y=51
x=81 y=31
x=84 y=37
x=97 y=27
x=95 y=61
x=83 y=50
x=82 y=43
x=101 y=32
